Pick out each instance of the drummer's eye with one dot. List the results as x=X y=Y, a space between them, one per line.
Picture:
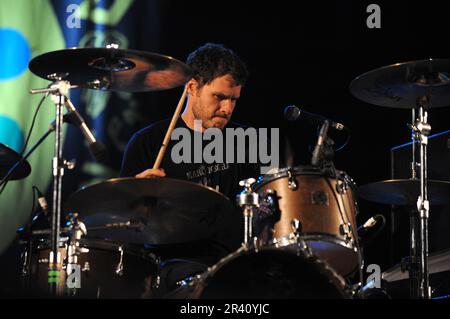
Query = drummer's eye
x=219 y=97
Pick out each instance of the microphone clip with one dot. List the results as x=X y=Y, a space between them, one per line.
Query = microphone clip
x=323 y=154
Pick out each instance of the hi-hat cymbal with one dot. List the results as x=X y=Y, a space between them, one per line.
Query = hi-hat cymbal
x=170 y=211
x=401 y=85
x=112 y=69
x=8 y=158
x=437 y=262
x=405 y=192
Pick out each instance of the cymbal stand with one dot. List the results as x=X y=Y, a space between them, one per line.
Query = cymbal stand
x=421 y=129
x=411 y=261
x=59 y=90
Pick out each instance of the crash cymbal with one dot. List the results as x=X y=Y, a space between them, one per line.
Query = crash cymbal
x=169 y=211
x=112 y=69
x=401 y=85
x=405 y=192
x=8 y=158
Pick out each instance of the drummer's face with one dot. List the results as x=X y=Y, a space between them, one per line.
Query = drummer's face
x=214 y=102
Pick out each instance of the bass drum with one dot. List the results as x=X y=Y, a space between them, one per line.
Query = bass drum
x=269 y=273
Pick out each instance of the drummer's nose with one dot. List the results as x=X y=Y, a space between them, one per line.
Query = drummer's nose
x=227 y=107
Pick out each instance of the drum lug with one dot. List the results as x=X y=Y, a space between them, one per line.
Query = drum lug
x=157 y=282
x=341 y=187
x=119 y=268
x=292 y=182
x=346 y=230
x=296 y=227
x=86 y=267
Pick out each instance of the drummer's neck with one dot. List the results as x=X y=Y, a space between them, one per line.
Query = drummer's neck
x=188 y=117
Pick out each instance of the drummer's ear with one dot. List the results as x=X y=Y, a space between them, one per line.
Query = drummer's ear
x=192 y=86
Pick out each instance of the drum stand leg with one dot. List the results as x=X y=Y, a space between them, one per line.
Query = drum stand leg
x=420 y=252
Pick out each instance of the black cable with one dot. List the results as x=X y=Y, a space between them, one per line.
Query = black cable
x=3 y=187
x=5 y=182
x=345 y=143
x=32 y=124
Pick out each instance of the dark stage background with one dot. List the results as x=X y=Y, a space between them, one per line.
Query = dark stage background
x=306 y=53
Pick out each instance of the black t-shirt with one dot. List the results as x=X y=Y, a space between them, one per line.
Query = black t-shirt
x=143 y=148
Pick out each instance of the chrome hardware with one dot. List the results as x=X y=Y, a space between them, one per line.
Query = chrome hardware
x=248 y=199
x=296 y=226
x=119 y=268
x=292 y=182
x=346 y=230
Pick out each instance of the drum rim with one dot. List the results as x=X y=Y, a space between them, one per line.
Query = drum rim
x=114 y=246
x=201 y=281
x=330 y=238
x=298 y=170
x=101 y=244
x=282 y=172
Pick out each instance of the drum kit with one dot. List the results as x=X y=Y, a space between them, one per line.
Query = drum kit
x=300 y=232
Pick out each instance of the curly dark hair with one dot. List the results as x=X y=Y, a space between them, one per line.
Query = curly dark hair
x=214 y=60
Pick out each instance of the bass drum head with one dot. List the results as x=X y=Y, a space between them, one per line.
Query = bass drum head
x=268 y=274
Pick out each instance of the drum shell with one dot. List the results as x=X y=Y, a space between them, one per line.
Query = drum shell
x=316 y=216
x=326 y=209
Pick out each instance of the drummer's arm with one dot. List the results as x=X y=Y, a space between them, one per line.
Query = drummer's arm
x=137 y=159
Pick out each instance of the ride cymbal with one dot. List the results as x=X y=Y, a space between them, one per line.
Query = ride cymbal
x=404 y=85
x=405 y=192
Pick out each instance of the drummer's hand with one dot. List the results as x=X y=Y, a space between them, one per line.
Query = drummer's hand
x=151 y=172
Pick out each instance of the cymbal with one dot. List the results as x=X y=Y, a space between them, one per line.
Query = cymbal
x=169 y=210
x=405 y=192
x=437 y=262
x=8 y=158
x=401 y=85
x=112 y=69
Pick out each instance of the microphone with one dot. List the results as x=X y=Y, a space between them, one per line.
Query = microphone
x=97 y=149
x=370 y=223
x=293 y=113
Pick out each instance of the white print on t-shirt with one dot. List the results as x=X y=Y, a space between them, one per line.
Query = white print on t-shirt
x=207 y=170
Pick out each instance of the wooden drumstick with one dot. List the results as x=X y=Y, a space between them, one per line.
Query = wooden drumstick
x=174 y=120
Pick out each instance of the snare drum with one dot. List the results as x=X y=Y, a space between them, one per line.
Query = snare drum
x=319 y=208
